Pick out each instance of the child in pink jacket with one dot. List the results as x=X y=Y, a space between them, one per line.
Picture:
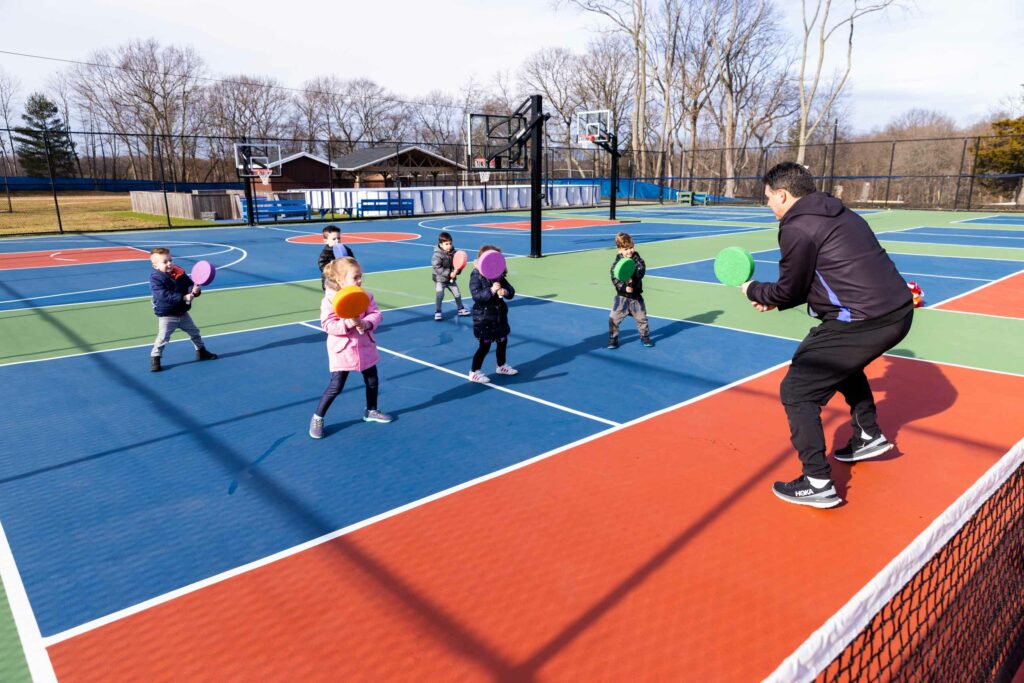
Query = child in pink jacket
x=350 y=344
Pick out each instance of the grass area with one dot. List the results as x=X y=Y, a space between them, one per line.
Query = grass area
x=12 y=661
x=35 y=213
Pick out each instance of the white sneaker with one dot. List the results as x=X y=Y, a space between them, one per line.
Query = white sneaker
x=477 y=376
x=507 y=370
x=437 y=316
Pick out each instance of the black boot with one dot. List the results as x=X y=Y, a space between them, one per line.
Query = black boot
x=203 y=354
x=154 y=363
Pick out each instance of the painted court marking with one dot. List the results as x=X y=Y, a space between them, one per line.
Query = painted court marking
x=70 y=257
x=357 y=238
x=551 y=224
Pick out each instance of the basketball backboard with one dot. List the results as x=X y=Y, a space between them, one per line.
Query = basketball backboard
x=496 y=142
x=251 y=157
x=593 y=126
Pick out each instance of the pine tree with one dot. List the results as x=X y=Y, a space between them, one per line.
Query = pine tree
x=44 y=131
x=1002 y=158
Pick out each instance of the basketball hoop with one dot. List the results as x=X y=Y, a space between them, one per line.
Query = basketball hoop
x=263 y=174
x=485 y=176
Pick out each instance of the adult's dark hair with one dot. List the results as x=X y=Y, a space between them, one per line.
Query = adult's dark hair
x=790 y=176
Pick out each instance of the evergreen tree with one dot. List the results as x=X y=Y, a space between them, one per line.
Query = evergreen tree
x=42 y=118
x=1002 y=158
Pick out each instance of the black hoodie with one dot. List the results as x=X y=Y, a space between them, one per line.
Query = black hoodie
x=832 y=261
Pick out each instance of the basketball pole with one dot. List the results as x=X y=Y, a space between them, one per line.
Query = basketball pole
x=536 y=174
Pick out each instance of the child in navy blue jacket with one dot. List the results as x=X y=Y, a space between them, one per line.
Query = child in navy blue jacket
x=173 y=292
x=490 y=319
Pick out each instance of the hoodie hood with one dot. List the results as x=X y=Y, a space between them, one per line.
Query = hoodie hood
x=815 y=204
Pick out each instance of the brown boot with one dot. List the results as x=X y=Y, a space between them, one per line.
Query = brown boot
x=154 y=364
x=203 y=354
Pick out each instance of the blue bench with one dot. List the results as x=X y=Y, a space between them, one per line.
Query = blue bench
x=272 y=209
x=687 y=198
x=403 y=207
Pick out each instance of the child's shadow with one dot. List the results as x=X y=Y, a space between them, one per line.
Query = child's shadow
x=912 y=391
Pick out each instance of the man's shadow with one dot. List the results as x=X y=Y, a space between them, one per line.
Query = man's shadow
x=912 y=391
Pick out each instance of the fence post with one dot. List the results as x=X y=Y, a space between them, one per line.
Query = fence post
x=661 y=181
x=53 y=183
x=959 y=175
x=163 y=180
x=974 y=167
x=7 y=188
x=832 y=165
x=888 y=177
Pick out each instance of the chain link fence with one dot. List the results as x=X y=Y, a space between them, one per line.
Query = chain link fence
x=56 y=181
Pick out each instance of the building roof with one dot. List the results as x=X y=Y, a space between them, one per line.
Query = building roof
x=375 y=156
x=293 y=157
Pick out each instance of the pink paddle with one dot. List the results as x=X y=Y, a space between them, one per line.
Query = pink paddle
x=203 y=273
x=460 y=260
x=491 y=265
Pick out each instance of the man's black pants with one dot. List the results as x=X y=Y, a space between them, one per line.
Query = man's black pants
x=832 y=358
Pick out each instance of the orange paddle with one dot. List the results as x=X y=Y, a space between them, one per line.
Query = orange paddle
x=351 y=302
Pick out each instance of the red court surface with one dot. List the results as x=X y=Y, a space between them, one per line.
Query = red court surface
x=70 y=257
x=552 y=224
x=357 y=237
x=1005 y=298
x=654 y=553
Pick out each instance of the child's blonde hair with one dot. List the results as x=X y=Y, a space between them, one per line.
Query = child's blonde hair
x=623 y=240
x=336 y=270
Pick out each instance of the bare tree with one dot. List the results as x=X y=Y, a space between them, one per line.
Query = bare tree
x=630 y=18
x=9 y=87
x=808 y=84
x=666 y=58
x=551 y=72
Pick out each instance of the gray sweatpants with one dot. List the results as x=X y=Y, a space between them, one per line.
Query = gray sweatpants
x=439 y=288
x=170 y=323
x=621 y=308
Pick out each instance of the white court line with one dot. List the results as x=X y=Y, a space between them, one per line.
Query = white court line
x=133 y=284
x=270 y=559
x=32 y=644
x=977 y=289
x=175 y=341
x=465 y=378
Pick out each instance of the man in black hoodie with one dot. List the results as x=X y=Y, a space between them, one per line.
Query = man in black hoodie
x=832 y=261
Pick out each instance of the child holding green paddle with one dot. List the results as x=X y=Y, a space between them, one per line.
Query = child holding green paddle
x=627 y=272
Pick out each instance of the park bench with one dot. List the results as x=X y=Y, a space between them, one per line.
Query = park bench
x=688 y=198
x=272 y=209
x=403 y=207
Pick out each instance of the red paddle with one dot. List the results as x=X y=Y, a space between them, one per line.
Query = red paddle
x=460 y=260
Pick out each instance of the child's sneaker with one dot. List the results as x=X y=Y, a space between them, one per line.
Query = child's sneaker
x=376 y=416
x=648 y=343
x=316 y=427
x=613 y=343
x=437 y=316
x=802 y=492
x=154 y=364
x=477 y=376
x=863 y=446
x=465 y=311
x=506 y=370
x=203 y=354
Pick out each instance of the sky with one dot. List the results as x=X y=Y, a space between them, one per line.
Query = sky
x=943 y=55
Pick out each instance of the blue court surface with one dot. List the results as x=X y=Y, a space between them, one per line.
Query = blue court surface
x=215 y=483
x=996 y=220
x=940 y=277
x=973 y=237
x=247 y=256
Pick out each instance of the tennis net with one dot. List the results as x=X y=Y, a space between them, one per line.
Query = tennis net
x=949 y=608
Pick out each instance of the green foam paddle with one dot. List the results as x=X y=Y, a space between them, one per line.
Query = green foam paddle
x=624 y=269
x=734 y=266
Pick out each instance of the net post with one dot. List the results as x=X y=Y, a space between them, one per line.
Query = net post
x=536 y=171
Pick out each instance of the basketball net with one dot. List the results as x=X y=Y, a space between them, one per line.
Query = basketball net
x=485 y=176
x=263 y=174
